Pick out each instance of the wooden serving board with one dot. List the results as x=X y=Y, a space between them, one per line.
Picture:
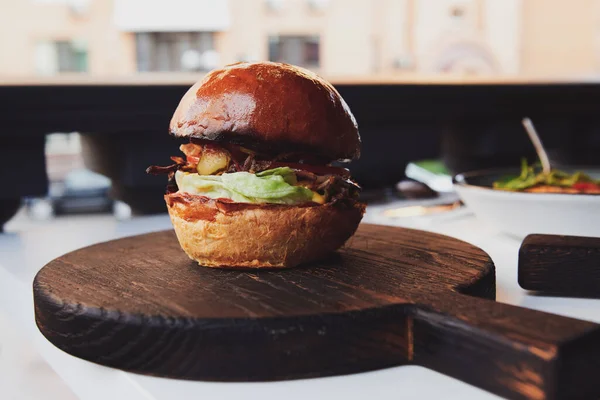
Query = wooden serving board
x=391 y=296
x=560 y=265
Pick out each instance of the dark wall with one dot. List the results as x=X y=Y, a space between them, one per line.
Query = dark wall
x=470 y=126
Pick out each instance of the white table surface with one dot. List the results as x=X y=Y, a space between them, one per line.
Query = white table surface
x=31 y=368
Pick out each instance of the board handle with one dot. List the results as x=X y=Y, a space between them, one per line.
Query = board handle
x=515 y=352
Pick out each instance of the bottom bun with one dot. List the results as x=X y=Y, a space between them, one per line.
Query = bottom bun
x=220 y=233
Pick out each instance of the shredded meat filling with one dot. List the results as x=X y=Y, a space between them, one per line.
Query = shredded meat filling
x=336 y=187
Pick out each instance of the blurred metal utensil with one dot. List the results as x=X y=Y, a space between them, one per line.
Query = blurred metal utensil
x=537 y=143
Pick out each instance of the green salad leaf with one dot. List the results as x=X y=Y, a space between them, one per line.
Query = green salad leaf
x=532 y=175
x=270 y=186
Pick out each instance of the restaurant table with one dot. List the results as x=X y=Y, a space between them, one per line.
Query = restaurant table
x=28 y=245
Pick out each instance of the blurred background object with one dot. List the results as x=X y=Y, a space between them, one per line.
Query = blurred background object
x=446 y=80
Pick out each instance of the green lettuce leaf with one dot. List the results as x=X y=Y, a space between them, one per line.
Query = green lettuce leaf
x=271 y=186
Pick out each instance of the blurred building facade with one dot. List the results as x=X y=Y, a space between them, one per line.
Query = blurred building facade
x=337 y=38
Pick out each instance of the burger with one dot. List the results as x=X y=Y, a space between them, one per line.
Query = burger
x=256 y=187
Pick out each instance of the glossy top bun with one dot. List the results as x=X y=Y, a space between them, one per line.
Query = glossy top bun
x=270 y=107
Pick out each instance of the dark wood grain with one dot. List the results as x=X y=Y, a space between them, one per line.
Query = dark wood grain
x=560 y=265
x=392 y=296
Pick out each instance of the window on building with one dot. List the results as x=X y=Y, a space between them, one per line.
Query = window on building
x=53 y=57
x=71 y=56
x=297 y=50
x=175 y=51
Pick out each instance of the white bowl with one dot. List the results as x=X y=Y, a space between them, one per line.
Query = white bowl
x=520 y=214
